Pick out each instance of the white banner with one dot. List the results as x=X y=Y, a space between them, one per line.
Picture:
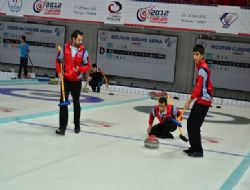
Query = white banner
x=229 y=63
x=79 y=10
x=137 y=55
x=82 y=10
x=220 y=19
x=41 y=38
x=170 y=15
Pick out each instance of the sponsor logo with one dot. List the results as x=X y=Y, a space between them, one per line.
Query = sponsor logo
x=227 y=19
x=38 y=5
x=115 y=7
x=152 y=14
x=103 y=36
x=15 y=5
x=59 y=31
x=203 y=43
x=114 y=10
x=170 y=41
x=50 y=8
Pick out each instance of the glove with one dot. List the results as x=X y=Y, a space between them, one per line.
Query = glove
x=174 y=121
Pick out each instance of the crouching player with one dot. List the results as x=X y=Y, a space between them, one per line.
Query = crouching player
x=165 y=113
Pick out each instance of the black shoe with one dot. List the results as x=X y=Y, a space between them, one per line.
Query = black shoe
x=60 y=132
x=77 y=129
x=195 y=154
x=187 y=151
x=167 y=136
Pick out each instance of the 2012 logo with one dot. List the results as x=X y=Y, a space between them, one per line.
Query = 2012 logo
x=50 y=8
x=154 y=15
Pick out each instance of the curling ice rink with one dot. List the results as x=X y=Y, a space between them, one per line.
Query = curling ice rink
x=109 y=152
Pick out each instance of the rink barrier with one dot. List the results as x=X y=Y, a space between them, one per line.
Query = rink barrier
x=140 y=91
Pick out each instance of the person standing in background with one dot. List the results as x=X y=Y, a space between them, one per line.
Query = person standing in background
x=24 y=50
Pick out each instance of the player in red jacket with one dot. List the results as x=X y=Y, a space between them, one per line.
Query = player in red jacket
x=202 y=94
x=164 y=113
x=75 y=61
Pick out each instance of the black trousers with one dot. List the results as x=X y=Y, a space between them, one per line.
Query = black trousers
x=194 y=123
x=23 y=66
x=162 y=130
x=96 y=84
x=73 y=87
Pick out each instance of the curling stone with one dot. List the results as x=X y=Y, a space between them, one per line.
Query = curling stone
x=151 y=142
x=157 y=94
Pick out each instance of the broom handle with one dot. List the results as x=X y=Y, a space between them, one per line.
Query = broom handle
x=180 y=130
x=62 y=83
x=180 y=116
x=179 y=119
x=86 y=84
x=61 y=77
x=170 y=100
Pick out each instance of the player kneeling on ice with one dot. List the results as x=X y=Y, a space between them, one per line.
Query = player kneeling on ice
x=166 y=114
x=97 y=78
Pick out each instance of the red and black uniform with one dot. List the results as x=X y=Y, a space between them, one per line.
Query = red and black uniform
x=203 y=88
x=202 y=94
x=71 y=57
x=165 y=126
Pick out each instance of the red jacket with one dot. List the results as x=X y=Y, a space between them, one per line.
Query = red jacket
x=203 y=89
x=71 y=62
x=169 y=111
